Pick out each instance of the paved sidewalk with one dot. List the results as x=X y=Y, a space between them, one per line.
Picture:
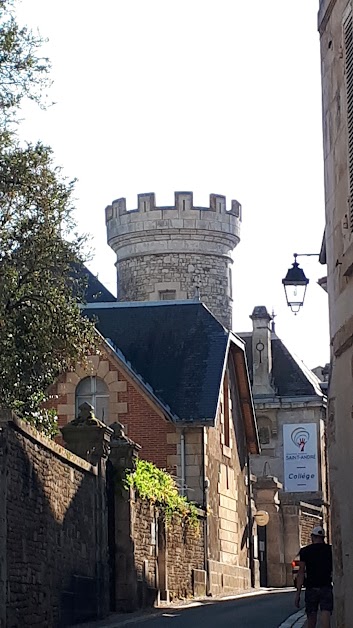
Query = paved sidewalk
x=117 y=620
x=298 y=620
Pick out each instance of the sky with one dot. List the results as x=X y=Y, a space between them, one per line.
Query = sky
x=210 y=96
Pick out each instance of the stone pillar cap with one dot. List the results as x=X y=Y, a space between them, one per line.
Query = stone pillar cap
x=260 y=312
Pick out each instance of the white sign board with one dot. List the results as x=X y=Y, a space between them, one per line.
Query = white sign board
x=300 y=458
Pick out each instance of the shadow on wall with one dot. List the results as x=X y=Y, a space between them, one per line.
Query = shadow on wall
x=51 y=537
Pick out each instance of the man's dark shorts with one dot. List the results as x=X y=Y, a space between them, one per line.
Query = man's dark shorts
x=316 y=598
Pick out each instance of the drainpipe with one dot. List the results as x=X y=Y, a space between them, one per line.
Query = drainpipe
x=205 y=504
x=182 y=461
x=250 y=523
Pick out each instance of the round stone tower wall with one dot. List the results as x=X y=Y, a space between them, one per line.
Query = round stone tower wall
x=178 y=252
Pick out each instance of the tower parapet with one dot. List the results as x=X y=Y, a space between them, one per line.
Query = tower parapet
x=182 y=251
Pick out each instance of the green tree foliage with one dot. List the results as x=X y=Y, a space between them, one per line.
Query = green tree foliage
x=24 y=72
x=42 y=332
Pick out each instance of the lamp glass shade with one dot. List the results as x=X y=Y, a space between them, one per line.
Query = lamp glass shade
x=295 y=284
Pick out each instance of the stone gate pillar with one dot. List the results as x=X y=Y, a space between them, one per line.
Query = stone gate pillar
x=266 y=498
x=123 y=457
x=89 y=438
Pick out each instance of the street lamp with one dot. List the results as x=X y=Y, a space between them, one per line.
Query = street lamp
x=295 y=284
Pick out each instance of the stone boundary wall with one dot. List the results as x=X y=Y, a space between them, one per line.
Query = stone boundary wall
x=181 y=544
x=309 y=517
x=48 y=530
x=185 y=556
x=154 y=561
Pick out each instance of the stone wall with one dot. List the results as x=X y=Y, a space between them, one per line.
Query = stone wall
x=155 y=560
x=227 y=496
x=335 y=26
x=288 y=529
x=190 y=275
x=185 y=555
x=48 y=531
x=310 y=516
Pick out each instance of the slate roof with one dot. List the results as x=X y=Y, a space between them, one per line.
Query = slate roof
x=178 y=347
x=290 y=376
x=95 y=291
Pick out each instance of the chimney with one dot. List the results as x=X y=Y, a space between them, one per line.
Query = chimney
x=261 y=351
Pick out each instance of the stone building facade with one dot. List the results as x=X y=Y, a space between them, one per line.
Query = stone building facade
x=209 y=456
x=285 y=392
x=335 y=22
x=127 y=402
x=179 y=252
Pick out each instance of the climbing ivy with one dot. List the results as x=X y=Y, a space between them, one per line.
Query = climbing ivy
x=158 y=486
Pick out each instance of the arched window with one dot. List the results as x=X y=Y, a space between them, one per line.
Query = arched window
x=94 y=391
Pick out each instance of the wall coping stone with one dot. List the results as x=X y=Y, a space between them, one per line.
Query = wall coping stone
x=55 y=448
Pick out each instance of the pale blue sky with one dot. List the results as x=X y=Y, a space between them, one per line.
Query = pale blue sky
x=216 y=96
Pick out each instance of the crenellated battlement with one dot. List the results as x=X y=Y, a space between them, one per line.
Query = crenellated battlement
x=179 y=252
x=183 y=205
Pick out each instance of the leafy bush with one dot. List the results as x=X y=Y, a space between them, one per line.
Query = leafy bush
x=158 y=487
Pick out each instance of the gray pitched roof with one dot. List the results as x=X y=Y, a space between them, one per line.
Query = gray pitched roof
x=96 y=292
x=178 y=347
x=290 y=376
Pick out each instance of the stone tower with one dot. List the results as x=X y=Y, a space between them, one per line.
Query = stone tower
x=179 y=252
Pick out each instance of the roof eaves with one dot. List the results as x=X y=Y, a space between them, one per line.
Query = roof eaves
x=246 y=398
x=136 y=304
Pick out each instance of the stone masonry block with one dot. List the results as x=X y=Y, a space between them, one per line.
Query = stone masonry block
x=229 y=547
x=111 y=377
x=231 y=526
x=193 y=437
x=70 y=399
x=226 y=535
x=228 y=502
x=228 y=559
x=94 y=361
x=64 y=388
x=118 y=386
x=173 y=460
x=72 y=378
x=64 y=409
x=228 y=515
x=103 y=369
x=122 y=407
x=193 y=471
x=173 y=438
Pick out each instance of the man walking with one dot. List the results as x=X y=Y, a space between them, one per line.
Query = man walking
x=315 y=565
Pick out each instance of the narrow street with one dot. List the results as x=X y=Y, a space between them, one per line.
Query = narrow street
x=263 y=611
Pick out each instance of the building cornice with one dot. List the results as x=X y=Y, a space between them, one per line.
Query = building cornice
x=290 y=403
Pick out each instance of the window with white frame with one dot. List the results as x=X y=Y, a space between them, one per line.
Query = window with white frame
x=94 y=391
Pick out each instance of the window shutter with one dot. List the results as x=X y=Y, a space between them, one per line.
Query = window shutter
x=348 y=46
